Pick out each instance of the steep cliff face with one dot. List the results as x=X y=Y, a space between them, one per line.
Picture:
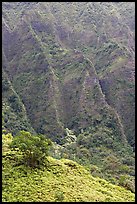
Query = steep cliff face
x=120 y=94
x=13 y=110
x=72 y=65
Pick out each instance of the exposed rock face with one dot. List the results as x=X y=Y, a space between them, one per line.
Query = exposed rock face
x=72 y=65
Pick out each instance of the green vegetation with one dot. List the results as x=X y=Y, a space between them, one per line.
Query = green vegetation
x=68 y=73
x=34 y=147
x=54 y=56
x=60 y=180
x=100 y=151
x=14 y=113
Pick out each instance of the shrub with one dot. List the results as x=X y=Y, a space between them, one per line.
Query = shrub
x=34 y=147
x=59 y=196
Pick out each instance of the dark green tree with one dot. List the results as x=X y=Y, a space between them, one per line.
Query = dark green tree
x=34 y=147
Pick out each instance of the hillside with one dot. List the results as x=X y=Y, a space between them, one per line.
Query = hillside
x=59 y=180
x=61 y=68
x=68 y=73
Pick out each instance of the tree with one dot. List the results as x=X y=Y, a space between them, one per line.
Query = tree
x=111 y=163
x=34 y=147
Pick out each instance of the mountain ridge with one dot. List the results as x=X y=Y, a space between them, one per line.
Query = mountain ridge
x=71 y=66
x=34 y=36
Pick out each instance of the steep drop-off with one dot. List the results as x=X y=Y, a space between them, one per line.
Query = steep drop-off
x=68 y=73
x=63 y=57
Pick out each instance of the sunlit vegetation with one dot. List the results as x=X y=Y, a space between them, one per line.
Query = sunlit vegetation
x=58 y=180
x=68 y=80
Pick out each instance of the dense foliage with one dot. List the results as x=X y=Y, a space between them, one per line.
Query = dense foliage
x=60 y=180
x=80 y=59
x=100 y=152
x=34 y=147
x=68 y=73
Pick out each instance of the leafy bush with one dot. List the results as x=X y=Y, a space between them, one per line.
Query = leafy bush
x=59 y=196
x=34 y=147
x=127 y=183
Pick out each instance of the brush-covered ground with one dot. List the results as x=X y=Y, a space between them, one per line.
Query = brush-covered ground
x=68 y=73
x=63 y=180
x=69 y=65
x=58 y=180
